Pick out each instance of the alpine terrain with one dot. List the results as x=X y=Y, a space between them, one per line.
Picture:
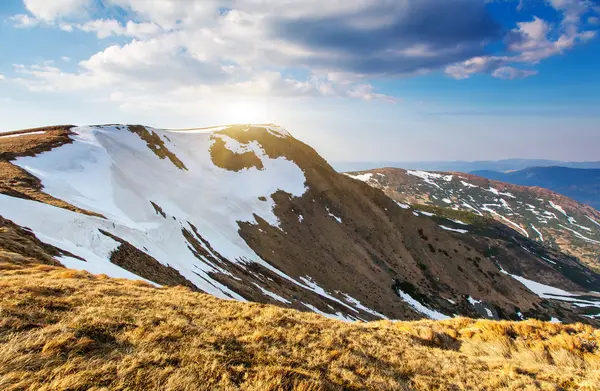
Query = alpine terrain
x=580 y=184
x=538 y=214
x=162 y=225
x=250 y=213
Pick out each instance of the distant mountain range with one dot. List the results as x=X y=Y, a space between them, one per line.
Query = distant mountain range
x=582 y=185
x=464 y=166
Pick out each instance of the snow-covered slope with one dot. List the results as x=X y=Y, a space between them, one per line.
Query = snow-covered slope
x=108 y=170
x=248 y=212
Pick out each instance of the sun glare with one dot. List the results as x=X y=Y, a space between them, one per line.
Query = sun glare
x=246 y=112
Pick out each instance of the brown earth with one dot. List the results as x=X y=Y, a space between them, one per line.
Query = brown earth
x=68 y=330
x=224 y=158
x=156 y=145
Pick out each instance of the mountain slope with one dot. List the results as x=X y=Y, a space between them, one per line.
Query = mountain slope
x=68 y=330
x=251 y=213
x=538 y=214
x=582 y=185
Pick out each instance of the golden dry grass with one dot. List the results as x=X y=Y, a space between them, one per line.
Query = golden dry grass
x=62 y=329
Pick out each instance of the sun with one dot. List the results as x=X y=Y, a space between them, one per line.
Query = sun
x=245 y=111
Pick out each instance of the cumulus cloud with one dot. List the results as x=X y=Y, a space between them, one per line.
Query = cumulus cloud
x=290 y=48
x=104 y=28
x=531 y=42
x=49 y=10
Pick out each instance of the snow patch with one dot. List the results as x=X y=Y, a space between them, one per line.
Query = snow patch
x=338 y=219
x=361 y=177
x=538 y=232
x=272 y=295
x=580 y=235
x=432 y=314
x=462 y=231
x=403 y=206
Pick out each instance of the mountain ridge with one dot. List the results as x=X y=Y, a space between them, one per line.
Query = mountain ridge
x=463 y=165
x=248 y=212
x=582 y=185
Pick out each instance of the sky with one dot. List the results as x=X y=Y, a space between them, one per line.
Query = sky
x=359 y=80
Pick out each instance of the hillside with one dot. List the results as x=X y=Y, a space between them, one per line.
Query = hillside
x=250 y=213
x=582 y=185
x=69 y=330
x=538 y=214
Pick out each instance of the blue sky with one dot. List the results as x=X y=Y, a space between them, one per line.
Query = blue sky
x=359 y=81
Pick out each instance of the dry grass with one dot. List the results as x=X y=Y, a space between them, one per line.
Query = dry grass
x=68 y=330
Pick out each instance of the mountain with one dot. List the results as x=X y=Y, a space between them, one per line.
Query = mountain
x=582 y=185
x=250 y=213
x=538 y=214
x=65 y=330
x=464 y=166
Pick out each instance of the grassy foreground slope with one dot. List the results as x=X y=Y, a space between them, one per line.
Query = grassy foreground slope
x=62 y=329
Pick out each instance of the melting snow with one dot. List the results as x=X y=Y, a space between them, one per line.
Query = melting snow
x=338 y=219
x=359 y=305
x=403 y=206
x=538 y=232
x=507 y=220
x=428 y=177
x=580 y=235
x=462 y=231
x=479 y=302
x=558 y=208
x=467 y=184
x=361 y=177
x=432 y=314
x=593 y=221
x=542 y=290
x=272 y=295
x=498 y=192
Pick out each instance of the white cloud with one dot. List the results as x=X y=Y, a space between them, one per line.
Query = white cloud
x=531 y=42
x=49 y=10
x=23 y=21
x=104 y=28
x=510 y=73
x=190 y=50
x=1 y=77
